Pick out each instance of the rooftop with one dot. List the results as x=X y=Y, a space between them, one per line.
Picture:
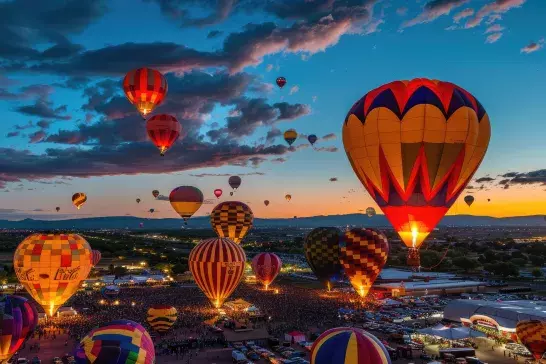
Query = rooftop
x=434 y=284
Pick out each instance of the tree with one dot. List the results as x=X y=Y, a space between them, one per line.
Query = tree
x=537 y=273
x=120 y=271
x=180 y=268
x=465 y=263
x=537 y=260
x=520 y=262
x=111 y=269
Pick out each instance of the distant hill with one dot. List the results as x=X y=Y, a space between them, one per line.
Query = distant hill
x=131 y=222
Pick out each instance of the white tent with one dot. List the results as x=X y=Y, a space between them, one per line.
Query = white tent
x=451 y=333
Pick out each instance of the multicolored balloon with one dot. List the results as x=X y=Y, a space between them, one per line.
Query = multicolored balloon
x=217 y=265
x=281 y=81
x=370 y=211
x=321 y=248
x=186 y=200
x=155 y=193
x=162 y=317
x=532 y=334
x=348 y=345
x=290 y=136
x=266 y=266
x=163 y=130
x=218 y=192
x=363 y=253
x=234 y=182
x=95 y=257
x=469 y=199
x=232 y=219
x=51 y=267
x=78 y=199
x=424 y=140
x=145 y=88
x=117 y=342
x=18 y=319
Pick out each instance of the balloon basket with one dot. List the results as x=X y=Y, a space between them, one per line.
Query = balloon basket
x=413 y=258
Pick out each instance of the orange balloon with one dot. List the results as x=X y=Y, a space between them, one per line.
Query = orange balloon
x=78 y=199
x=51 y=267
x=145 y=88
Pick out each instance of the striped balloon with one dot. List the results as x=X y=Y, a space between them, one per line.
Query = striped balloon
x=145 y=88
x=348 y=345
x=78 y=199
x=232 y=219
x=186 y=200
x=161 y=317
x=95 y=257
x=363 y=253
x=18 y=319
x=532 y=334
x=117 y=342
x=163 y=130
x=217 y=265
x=266 y=266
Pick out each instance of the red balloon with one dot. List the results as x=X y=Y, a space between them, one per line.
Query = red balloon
x=281 y=81
x=266 y=266
x=95 y=257
x=163 y=130
x=218 y=192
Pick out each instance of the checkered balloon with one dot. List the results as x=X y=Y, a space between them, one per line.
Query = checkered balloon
x=321 y=250
x=232 y=219
x=532 y=334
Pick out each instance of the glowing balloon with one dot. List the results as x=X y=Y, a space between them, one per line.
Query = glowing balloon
x=363 y=253
x=266 y=202
x=145 y=88
x=51 y=267
x=155 y=193
x=186 y=200
x=18 y=319
x=217 y=265
x=469 y=200
x=95 y=257
x=234 y=182
x=266 y=266
x=232 y=219
x=290 y=136
x=370 y=211
x=321 y=248
x=162 y=317
x=217 y=193
x=532 y=334
x=117 y=342
x=288 y=197
x=415 y=145
x=163 y=130
x=78 y=199
x=281 y=81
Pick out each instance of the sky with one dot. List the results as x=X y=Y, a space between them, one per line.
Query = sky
x=67 y=126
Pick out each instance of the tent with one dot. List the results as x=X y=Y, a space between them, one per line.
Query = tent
x=451 y=333
x=294 y=336
x=238 y=305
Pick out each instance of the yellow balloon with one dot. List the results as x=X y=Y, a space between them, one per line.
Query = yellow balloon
x=51 y=267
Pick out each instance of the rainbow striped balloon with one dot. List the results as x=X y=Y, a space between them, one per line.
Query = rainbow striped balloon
x=347 y=345
x=162 y=317
x=117 y=342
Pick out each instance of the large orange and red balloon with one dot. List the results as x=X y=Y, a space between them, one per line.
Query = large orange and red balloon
x=145 y=88
x=186 y=200
x=18 y=319
x=266 y=266
x=415 y=145
x=217 y=265
x=532 y=334
x=163 y=130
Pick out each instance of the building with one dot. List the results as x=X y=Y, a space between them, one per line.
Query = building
x=423 y=288
x=495 y=317
x=397 y=275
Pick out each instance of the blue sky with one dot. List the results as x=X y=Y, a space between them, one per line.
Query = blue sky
x=326 y=74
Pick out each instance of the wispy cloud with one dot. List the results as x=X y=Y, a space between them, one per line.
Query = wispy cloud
x=495 y=7
x=201 y=175
x=492 y=38
x=294 y=89
x=495 y=28
x=533 y=47
x=433 y=10
x=468 y=12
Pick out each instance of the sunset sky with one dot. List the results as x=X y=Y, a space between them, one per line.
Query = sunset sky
x=68 y=128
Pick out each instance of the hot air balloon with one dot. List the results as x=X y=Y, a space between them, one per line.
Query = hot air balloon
x=155 y=193
x=51 y=267
x=78 y=199
x=423 y=141
x=312 y=139
x=321 y=248
x=469 y=199
x=363 y=253
x=145 y=88
x=217 y=265
x=186 y=200
x=217 y=193
x=288 y=197
x=232 y=219
x=151 y=211
x=18 y=319
x=532 y=334
x=370 y=211
x=290 y=136
x=266 y=202
x=234 y=182
x=138 y=200
x=117 y=342
x=110 y=292
x=281 y=81
x=488 y=200
x=95 y=257
x=266 y=266
x=57 y=208
x=161 y=317
x=163 y=130
x=348 y=345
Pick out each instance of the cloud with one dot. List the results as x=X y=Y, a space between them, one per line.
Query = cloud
x=495 y=28
x=333 y=179
x=210 y=201
x=533 y=47
x=272 y=134
x=330 y=136
x=269 y=67
x=12 y=134
x=495 y=7
x=214 y=34
x=294 y=89
x=179 y=11
x=470 y=187
x=201 y=175
x=37 y=136
x=278 y=160
x=44 y=109
x=492 y=38
x=484 y=179
x=433 y=10
x=162 y=198
x=327 y=149
x=526 y=178
x=465 y=13
x=402 y=11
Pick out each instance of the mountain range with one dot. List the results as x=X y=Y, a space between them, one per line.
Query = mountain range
x=132 y=222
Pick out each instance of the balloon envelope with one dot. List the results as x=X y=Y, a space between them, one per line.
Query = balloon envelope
x=370 y=211
x=145 y=88
x=51 y=267
x=78 y=199
x=532 y=334
x=95 y=257
x=281 y=81
x=18 y=319
x=218 y=193
x=290 y=136
x=266 y=266
x=348 y=345
x=288 y=197
x=234 y=182
x=117 y=342
x=155 y=193
x=186 y=200
x=232 y=219
x=266 y=202
x=321 y=248
x=161 y=317
x=424 y=141
x=469 y=200
x=312 y=139
x=363 y=253
x=217 y=265
x=138 y=200
x=163 y=130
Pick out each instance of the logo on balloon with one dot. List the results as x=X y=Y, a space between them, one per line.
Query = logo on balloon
x=25 y=275
x=66 y=274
